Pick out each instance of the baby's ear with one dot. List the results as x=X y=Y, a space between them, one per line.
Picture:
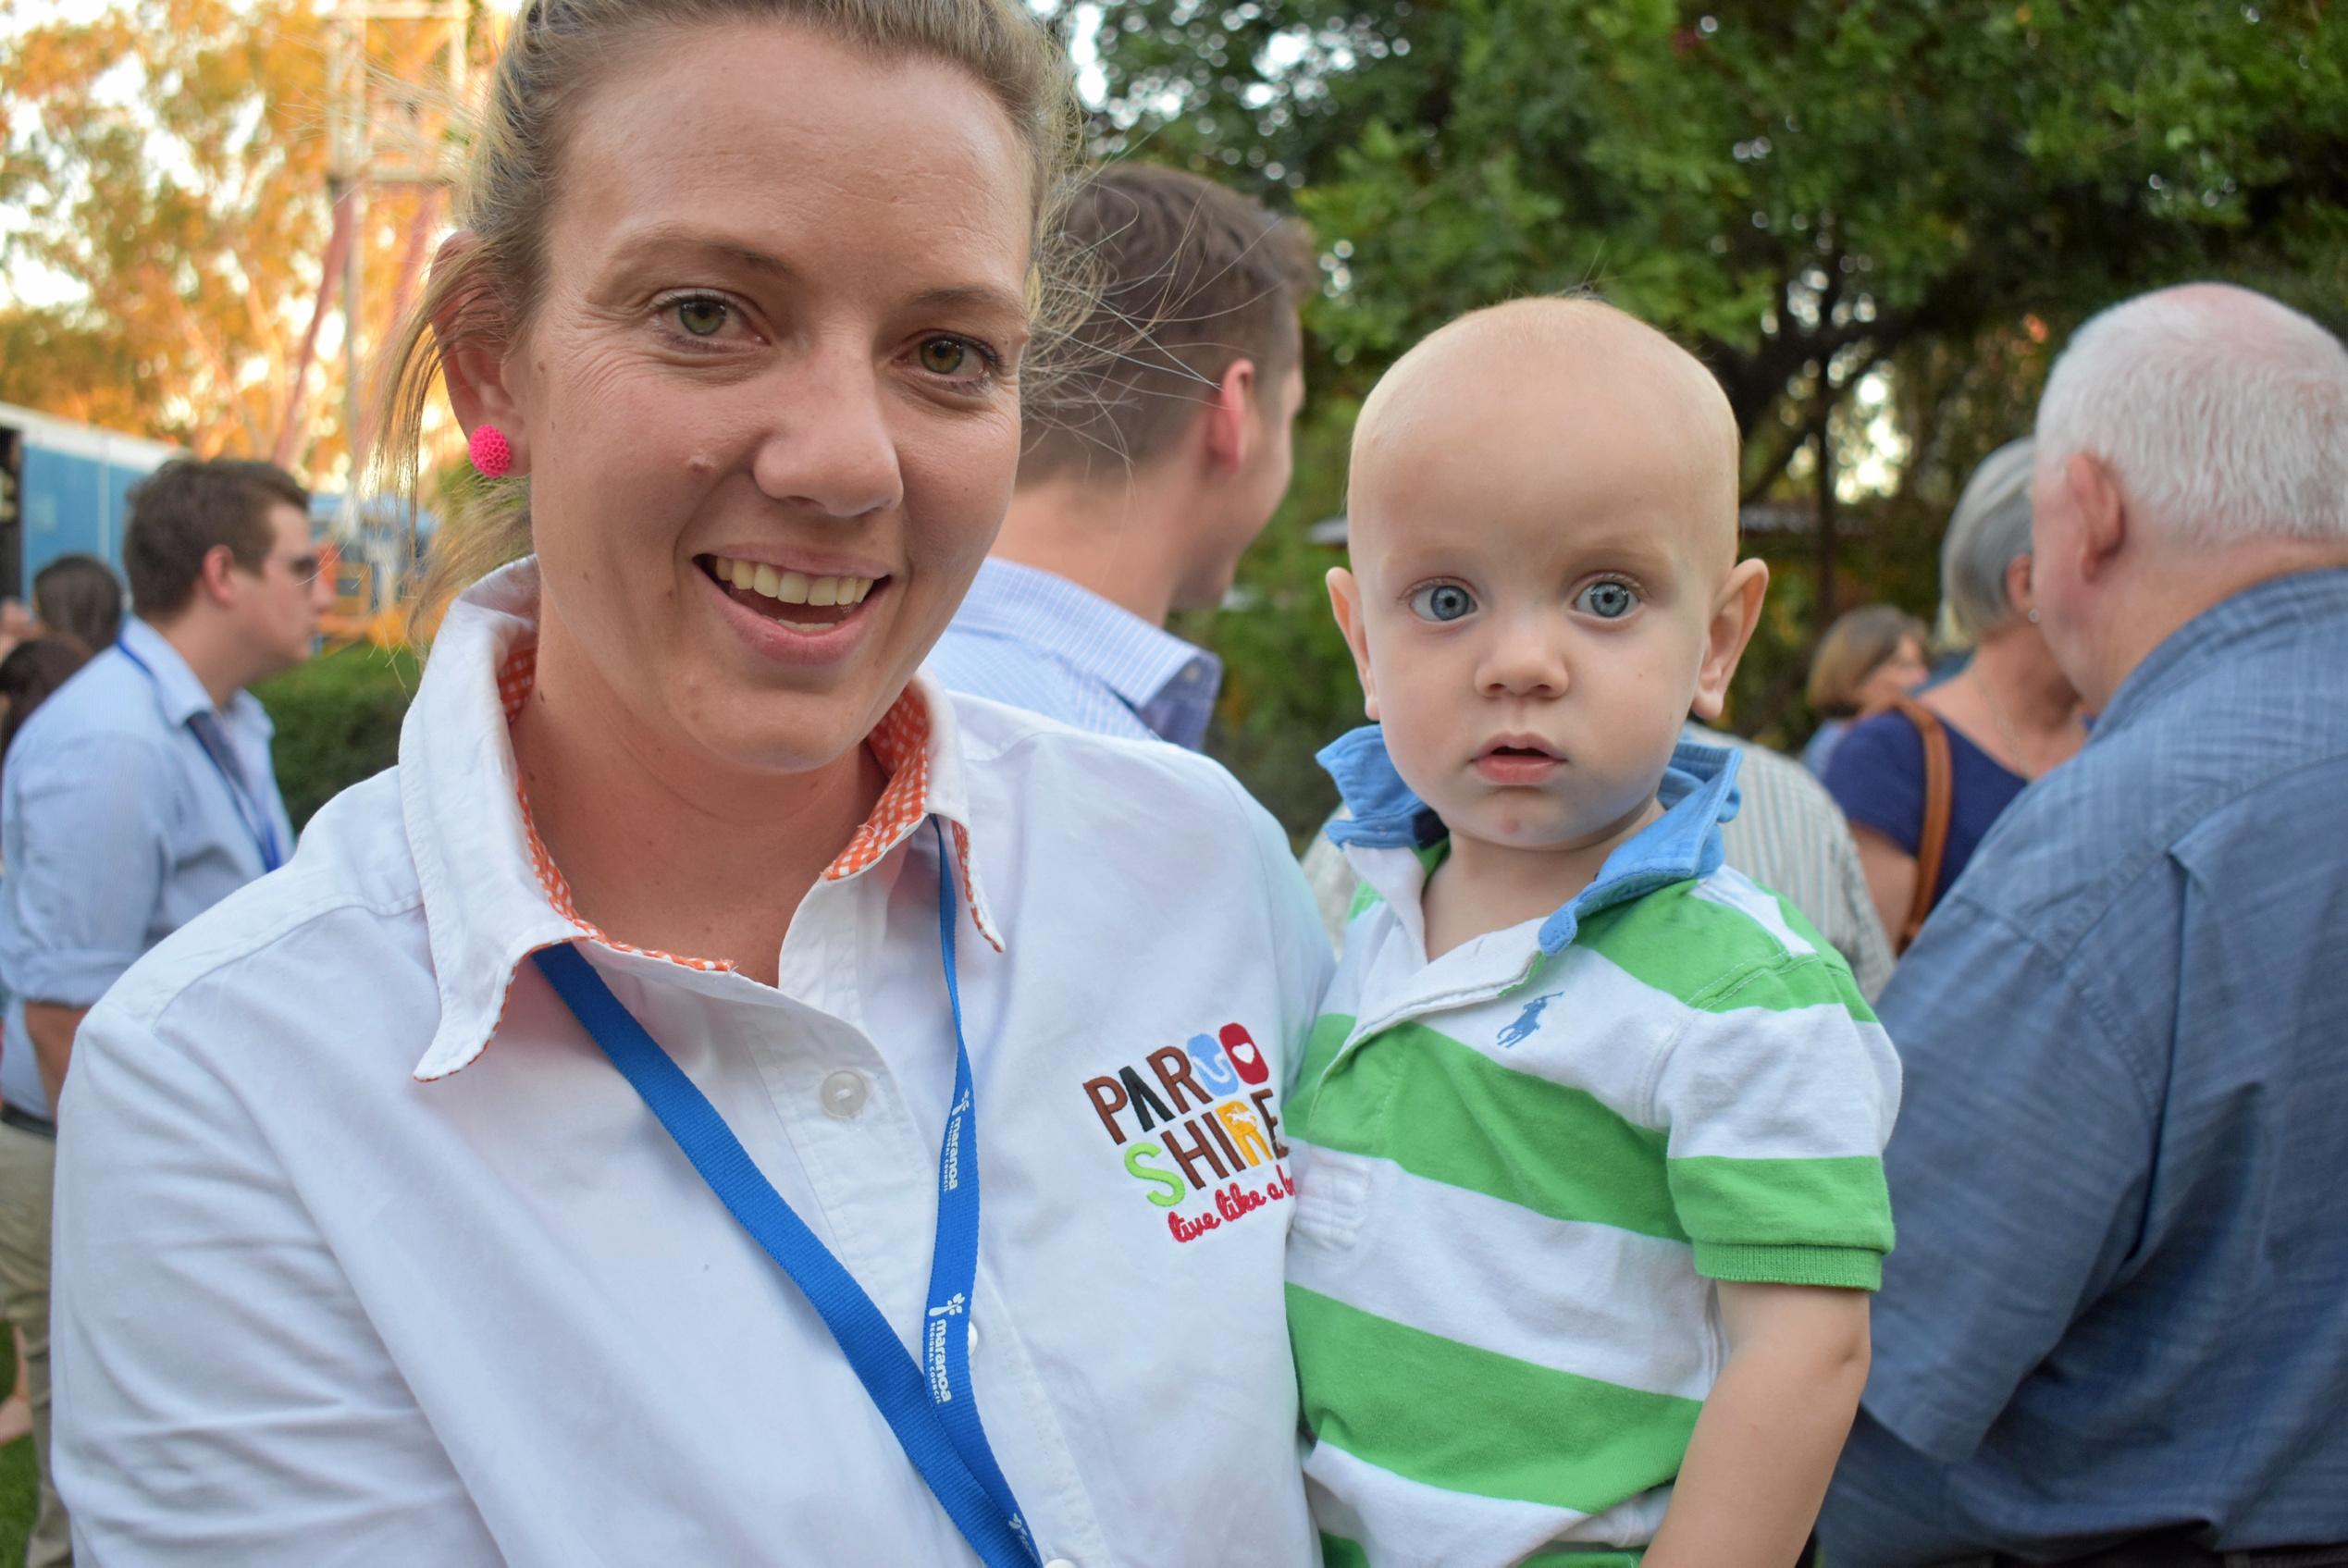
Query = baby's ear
x=1345 y=603
x=1735 y=612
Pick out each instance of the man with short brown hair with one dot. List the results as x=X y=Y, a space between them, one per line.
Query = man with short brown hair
x=137 y=797
x=1160 y=459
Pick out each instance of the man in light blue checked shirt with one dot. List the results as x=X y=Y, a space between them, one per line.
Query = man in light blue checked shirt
x=1033 y=639
x=1165 y=456
x=137 y=797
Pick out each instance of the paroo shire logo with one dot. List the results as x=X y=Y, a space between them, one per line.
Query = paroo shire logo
x=1198 y=1119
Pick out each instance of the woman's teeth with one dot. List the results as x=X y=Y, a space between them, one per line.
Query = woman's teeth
x=790 y=587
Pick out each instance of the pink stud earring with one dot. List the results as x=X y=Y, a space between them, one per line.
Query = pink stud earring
x=492 y=454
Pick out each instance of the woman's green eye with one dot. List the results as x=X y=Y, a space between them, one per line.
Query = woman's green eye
x=945 y=356
x=700 y=317
x=1607 y=602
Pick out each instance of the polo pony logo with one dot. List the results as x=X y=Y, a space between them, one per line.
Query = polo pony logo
x=1527 y=1021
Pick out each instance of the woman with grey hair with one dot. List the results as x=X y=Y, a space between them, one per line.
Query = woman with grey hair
x=1922 y=780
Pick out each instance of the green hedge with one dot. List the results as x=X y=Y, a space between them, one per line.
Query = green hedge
x=338 y=719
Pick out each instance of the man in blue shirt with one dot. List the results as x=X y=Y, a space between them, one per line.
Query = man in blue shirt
x=1161 y=462
x=2113 y=1330
x=136 y=799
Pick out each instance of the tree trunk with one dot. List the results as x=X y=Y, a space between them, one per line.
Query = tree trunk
x=1824 y=447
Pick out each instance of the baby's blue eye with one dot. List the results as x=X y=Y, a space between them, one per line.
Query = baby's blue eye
x=1441 y=601
x=1607 y=600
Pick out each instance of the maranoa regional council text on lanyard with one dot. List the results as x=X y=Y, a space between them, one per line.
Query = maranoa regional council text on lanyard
x=929 y=1404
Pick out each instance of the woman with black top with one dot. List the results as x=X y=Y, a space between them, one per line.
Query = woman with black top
x=2006 y=717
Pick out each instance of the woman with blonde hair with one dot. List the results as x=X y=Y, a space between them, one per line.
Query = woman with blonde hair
x=1869 y=657
x=575 y=1156
x=1923 y=782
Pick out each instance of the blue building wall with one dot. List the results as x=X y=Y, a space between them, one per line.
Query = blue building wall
x=63 y=507
x=76 y=486
x=73 y=504
x=77 y=483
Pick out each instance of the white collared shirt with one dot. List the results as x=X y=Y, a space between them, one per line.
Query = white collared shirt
x=366 y=1254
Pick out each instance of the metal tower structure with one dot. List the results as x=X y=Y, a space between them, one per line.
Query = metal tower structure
x=382 y=133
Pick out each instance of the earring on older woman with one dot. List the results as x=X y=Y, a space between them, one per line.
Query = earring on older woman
x=492 y=453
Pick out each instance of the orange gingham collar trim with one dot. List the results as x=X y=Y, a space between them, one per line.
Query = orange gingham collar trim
x=900 y=742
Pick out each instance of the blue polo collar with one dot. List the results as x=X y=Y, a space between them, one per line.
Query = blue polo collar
x=1699 y=793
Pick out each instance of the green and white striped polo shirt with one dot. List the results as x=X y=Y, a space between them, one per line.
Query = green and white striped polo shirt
x=1521 y=1168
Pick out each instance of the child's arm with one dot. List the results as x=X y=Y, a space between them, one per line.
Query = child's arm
x=1765 y=1444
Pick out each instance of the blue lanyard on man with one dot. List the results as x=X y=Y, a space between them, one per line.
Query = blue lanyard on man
x=929 y=1404
x=252 y=814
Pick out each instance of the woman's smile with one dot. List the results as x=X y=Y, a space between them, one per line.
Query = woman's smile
x=792 y=615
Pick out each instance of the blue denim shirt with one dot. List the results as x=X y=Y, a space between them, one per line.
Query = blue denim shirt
x=129 y=806
x=1038 y=641
x=2121 y=1299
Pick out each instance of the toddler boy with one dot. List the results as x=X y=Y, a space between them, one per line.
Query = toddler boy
x=1588 y=1134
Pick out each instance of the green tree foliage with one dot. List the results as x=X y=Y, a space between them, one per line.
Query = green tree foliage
x=163 y=169
x=1813 y=194
x=338 y=722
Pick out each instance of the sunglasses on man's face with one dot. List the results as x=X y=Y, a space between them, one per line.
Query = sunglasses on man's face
x=304 y=568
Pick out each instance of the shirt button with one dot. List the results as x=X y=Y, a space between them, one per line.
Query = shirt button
x=1060 y=1562
x=844 y=1093
x=970 y=1334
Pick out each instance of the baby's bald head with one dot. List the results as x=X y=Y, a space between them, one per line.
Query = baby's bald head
x=1544 y=582
x=1564 y=387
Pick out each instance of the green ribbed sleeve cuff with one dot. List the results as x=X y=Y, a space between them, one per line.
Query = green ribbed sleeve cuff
x=1849 y=1268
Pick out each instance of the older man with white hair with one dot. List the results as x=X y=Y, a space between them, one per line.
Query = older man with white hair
x=2116 y=1329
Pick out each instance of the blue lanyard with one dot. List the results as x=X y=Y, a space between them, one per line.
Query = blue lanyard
x=251 y=812
x=929 y=1404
